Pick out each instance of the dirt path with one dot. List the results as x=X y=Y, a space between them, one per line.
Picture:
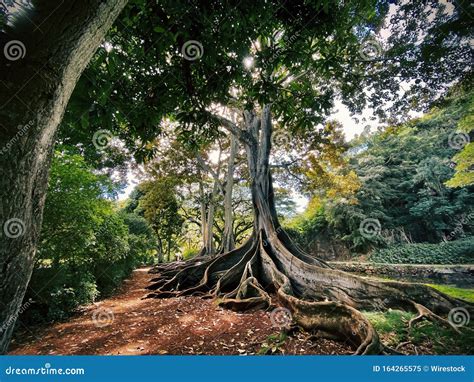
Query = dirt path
x=127 y=324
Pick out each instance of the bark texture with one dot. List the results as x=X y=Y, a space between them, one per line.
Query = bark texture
x=270 y=264
x=36 y=82
x=228 y=239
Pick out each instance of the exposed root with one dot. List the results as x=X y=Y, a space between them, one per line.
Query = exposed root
x=402 y=344
x=424 y=312
x=319 y=298
x=387 y=350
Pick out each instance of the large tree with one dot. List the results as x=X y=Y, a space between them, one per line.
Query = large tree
x=46 y=45
x=301 y=56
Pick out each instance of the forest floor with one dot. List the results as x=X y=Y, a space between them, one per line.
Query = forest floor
x=128 y=324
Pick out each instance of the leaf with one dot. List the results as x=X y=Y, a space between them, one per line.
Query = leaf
x=159 y=29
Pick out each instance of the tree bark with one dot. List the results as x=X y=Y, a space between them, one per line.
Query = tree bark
x=208 y=213
x=210 y=247
x=228 y=239
x=168 y=249
x=34 y=92
x=203 y=208
x=160 y=250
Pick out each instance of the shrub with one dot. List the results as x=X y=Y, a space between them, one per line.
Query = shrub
x=452 y=252
x=87 y=247
x=59 y=291
x=64 y=300
x=189 y=252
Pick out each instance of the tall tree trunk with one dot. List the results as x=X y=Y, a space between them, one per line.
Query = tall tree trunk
x=203 y=208
x=210 y=246
x=160 y=250
x=258 y=156
x=228 y=240
x=34 y=92
x=168 y=250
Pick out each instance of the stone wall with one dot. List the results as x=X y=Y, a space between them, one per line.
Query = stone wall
x=459 y=275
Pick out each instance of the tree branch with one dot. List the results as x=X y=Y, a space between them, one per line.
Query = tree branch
x=232 y=128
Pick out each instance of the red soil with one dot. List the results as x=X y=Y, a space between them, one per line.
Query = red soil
x=127 y=324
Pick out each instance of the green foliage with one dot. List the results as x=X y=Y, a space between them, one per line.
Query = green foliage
x=434 y=338
x=87 y=247
x=160 y=207
x=58 y=291
x=64 y=300
x=402 y=172
x=190 y=252
x=464 y=175
x=310 y=225
x=464 y=159
x=462 y=293
x=273 y=344
x=451 y=252
x=299 y=64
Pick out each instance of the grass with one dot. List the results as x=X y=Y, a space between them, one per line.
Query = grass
x=427 y=337
x=461 y=293
x=273 y=344
x=424 y=337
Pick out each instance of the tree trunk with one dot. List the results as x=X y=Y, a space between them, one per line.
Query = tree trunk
x=202 y=202
x=210 y=247
x=34 y=91
x=160 y=250
x=317 y=297
x=228 y=240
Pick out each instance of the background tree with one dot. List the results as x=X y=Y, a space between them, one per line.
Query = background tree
x=401 y=172
x=161 y=209
x=206 y=174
